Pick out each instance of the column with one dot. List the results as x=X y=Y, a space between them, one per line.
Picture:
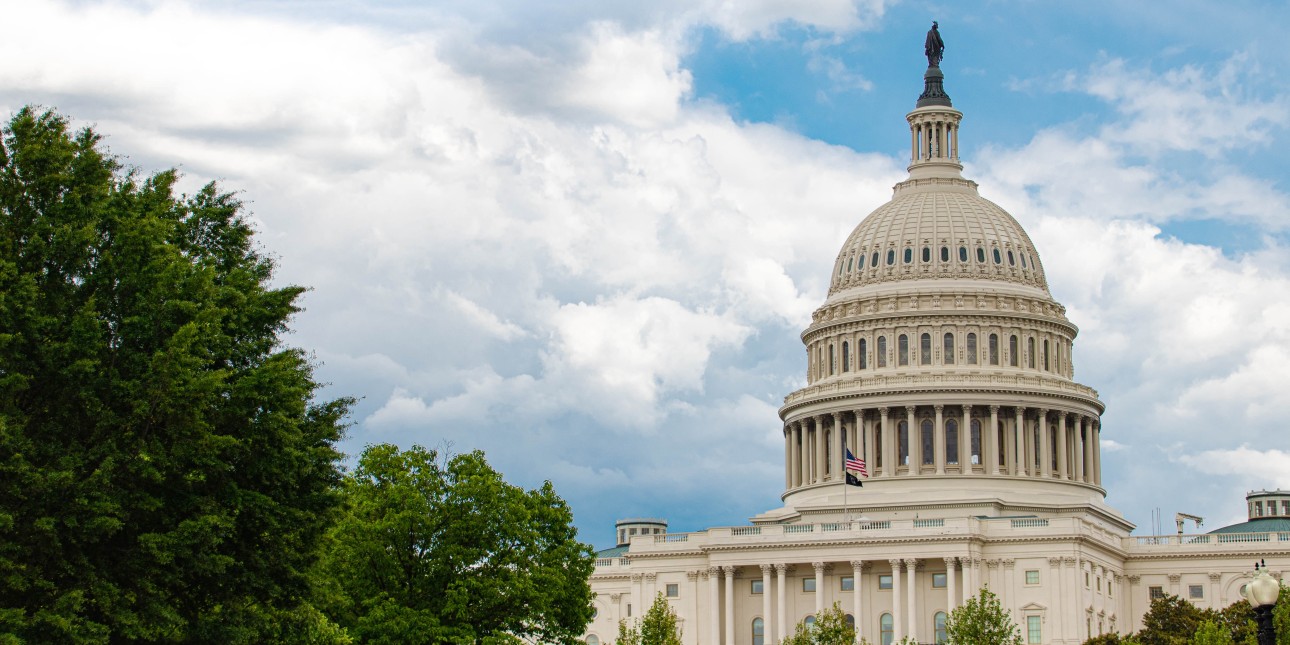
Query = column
x=897 y=625
x=714 y=604
x=993 y=441
x=1078 y=448
x=915 y=439
x=1021 y=467
x=857 y=570
x=819 y=588
x=938 y=441
x=1097 y=452
x=888 y=444
x=835 y=468
x=819 y=450
x=911 y=568
x=951 y=599
x=765 y=602
x=965 y=441
x=781 y=575
x=1063 y=468
x=1045 y=457
x=730 y=604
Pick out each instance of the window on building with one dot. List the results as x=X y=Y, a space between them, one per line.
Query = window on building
x=757 y=587
x=1012 y=351
x=882 y=351
x=673 y=590
x=939 y=622
x=759 y=632
x=1034 y=630
x=971 y=349
x=848 y=583
x=1032 y=576
x=886 y=628
x=808 y=585
x=952 y=441
x=846 y=356
x=884 y=581
x=938 y=581
x=1196 y=592
x=949 y=349
x=863 y=358
x=903 y=349
x=1156 y=593
x=929 y=451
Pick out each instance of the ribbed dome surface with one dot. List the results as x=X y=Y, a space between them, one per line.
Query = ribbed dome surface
x=937 y=228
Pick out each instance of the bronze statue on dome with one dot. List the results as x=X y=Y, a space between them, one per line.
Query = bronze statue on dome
x=934 y=47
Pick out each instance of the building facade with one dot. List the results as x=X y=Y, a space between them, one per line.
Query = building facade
x=940 y=359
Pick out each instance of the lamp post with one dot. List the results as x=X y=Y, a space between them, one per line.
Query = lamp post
x=1262 y=592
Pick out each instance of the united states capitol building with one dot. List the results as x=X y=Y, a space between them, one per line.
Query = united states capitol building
x=941 y=359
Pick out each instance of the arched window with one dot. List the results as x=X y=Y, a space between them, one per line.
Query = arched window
x=928 y=445
x=939 y=622
x=891 y=257
x=864 y=354
x=759 y=632
x=903 y=349
x=832 y=361
x=593 y=640
x=1030 y=351
x=949 y=349
x=927 y=254
x=963 y=254
x=951 y=441
x=994 y=349
x=945 y=254
x=846 y=356
x=909 y=255
x=1012 y=350
x=1045 y=355
x=976 y=441
x=902 y=439
x=925 y=349
x=882 y=351
x=885 y=626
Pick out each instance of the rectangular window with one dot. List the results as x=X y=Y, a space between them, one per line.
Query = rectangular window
x=884 y=582
x=938 y=581
x=1032 y=576
x=848 y=583
x=808 y=585
x=1157 y=593
x=1196 y=591
x=756 y=587
x=1034 y=631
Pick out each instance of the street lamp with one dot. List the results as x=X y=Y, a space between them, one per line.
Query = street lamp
x=1262 y=592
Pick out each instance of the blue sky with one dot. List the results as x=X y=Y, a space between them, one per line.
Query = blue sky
x=584 y=237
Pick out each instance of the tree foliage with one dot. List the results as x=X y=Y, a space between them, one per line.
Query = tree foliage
x=165 y=472
x=432 y=550
x=659 y=626
x=830 y=628
x=982 y=621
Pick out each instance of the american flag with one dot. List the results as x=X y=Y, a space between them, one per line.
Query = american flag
x=856 y=464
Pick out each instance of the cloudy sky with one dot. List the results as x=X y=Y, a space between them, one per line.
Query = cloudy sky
x=585 y=237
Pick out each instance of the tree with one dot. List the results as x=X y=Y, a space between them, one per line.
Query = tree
x=658 y=627
x=830 y=628
x=165 y=471
x=982 y=621
x=432 y=550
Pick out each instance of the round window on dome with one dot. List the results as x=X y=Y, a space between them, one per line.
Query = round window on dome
x=874 y=261
x=980 y=255
x=997 y=258
x=909 y=255
x=1012 y=259
x=891 y=257
x=927 y=255
x=963 y=254
x=945 y=254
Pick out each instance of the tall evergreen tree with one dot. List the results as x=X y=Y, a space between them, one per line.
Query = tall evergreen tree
x=165 y=471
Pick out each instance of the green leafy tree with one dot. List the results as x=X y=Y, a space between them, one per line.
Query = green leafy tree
x=658 y=626
x=165 y=471
x=982 y=621
x=830 y=628
x=432 y=551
